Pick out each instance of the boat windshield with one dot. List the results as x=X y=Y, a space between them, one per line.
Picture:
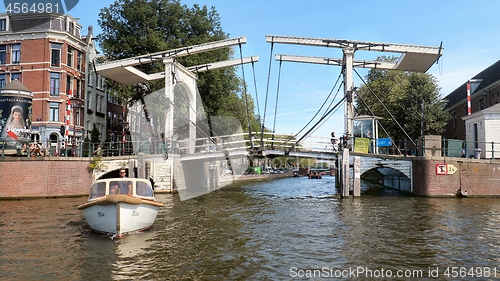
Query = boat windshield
x=97 y=190
x=143 y=189
x=120 y=187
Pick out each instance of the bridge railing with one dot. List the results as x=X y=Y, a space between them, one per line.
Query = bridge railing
x=270 y=141
x=87 y=149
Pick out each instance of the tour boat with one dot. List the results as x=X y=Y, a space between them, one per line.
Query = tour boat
x=119 y=206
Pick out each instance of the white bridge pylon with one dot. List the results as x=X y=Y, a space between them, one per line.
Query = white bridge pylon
x=126 y=72
x=413 y=58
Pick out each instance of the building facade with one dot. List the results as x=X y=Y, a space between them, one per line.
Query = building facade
x=484 y=93
x=96 y=96
x=48 y=54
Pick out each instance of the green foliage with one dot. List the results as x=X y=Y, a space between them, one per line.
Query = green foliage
x=95 y=135
x=96 y=164
x=403 y=93
x=137 y=27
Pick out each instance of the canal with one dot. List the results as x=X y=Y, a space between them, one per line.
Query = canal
x=291 y=228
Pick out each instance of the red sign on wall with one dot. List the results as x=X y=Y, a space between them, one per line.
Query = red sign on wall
x=441 y=169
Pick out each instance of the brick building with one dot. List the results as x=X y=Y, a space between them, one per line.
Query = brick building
x=484 y=92
x=49 y=55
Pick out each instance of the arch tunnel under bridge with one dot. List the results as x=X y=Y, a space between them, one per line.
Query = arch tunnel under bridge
x=387 y=172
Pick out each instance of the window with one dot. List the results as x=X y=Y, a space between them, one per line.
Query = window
x=14 y=76
x=466 y=110
x=89 y=100
x=3 y=24
x=16 y=53
x=54 y=84
x=70 y=57
x=481 y=104
x=100 y=108
x=108 y=121
x=72 y=28
x=2 y=80
x=97 y=98
x=78 y=89
x=55 y=60
x=54 y=112
x=79 y=61
x=3 y=54
x=77 y=115
x=69 y=85
x=454 y=120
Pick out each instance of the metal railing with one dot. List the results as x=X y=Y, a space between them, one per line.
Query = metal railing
x=448 y=147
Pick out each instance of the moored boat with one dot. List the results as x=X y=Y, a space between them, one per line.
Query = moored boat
x=119 y=206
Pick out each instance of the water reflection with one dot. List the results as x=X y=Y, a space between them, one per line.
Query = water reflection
x=251 y=231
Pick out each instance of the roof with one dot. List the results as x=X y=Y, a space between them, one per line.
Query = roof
x=15 y=85
x=492 y=110
x=489 y=76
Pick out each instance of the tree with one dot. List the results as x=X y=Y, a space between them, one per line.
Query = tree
x=401 y=94
x=137 y=27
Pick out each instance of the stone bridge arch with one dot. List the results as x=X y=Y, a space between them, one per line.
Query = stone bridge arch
x=112 y=165
x=389 y=166
x=388 y=178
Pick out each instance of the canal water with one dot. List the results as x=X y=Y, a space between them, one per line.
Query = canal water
x=286 y=229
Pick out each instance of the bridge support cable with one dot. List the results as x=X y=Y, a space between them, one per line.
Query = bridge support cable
x=144 y=89
x=202 y=132
x=245 y=98
x=327 y=117
x=386 y=109
x=313 y=127
x=276 y=104
x=265 y=102
x=320 y=108
x=192 y=123
x=256 y=92
x=385 y=131
x=334 y=97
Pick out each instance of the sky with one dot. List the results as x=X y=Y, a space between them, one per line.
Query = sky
x=468 y=30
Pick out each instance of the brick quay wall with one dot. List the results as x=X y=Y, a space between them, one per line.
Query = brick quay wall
x=44 y=177
x=65 y=177
x=447 y=176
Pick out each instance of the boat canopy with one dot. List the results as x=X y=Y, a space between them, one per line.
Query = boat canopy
x=129 y=186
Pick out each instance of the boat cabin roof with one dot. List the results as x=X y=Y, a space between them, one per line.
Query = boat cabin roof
x=131 y=186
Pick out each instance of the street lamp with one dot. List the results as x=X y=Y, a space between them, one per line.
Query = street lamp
x=75 y=103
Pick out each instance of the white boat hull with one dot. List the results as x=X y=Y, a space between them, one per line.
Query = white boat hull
x=120 y=218
x=119 y=206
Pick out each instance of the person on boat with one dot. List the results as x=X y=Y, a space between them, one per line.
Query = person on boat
x=121 y=187
x=125 y=187
x=313 y=175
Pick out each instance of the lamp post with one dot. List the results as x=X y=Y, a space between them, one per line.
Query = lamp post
x=74 y=104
